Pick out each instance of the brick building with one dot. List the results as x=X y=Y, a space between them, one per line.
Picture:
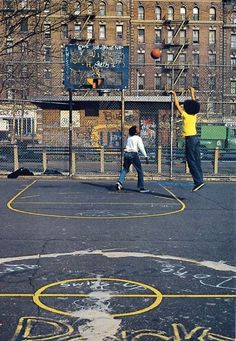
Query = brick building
x=198 y=44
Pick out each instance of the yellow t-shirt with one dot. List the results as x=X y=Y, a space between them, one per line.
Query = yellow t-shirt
x=189 y=124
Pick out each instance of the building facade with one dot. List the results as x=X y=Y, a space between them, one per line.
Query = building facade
x=197 y=40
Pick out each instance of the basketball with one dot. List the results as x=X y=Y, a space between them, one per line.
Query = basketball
x=155 y=53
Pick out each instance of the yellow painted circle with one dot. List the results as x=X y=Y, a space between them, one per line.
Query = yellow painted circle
x=155 y=294
x=134 y=216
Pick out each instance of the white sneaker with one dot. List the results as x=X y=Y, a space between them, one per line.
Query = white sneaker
x=197 y=187
x=118 y=186
x=144 y=190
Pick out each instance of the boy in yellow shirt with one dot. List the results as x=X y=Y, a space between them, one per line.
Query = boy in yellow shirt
x=192 y=144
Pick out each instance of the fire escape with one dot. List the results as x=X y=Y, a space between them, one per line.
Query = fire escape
x=85 y=37
x=177 y=44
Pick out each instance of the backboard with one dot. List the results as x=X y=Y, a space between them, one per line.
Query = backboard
x=99 y=67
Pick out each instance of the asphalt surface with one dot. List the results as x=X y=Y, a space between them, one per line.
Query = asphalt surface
x=81 y=261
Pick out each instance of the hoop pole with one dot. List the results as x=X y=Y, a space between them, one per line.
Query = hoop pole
x=122 y=126
x=70 y=133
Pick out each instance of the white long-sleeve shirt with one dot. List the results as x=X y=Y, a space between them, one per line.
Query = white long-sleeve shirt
x=135 y=144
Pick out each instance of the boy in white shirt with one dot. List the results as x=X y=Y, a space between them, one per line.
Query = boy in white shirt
x=134 y=144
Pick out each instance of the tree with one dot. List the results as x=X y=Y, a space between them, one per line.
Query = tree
x=28 y=48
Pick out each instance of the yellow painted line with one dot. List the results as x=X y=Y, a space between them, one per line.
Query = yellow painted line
x=200 y=296
x=157 y=295
x=12 y=208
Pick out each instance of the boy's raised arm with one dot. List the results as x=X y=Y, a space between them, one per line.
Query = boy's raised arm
x=176 y=101
x=192 y=93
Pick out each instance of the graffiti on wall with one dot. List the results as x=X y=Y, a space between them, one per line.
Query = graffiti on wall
x=148 y=130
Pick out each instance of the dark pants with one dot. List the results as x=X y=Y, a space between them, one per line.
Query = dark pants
x=131 y=158
x=192 y=151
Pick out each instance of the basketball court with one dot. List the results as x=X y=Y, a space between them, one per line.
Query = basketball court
x=81 y=261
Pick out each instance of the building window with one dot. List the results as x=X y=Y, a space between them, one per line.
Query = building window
x=102 y=32
x=64 y=30
x=157 y=61
x=233 y=87
x=170 y=57
x=27 y=126
x=24 y=48
x=47 y=30
x=212 y=14
x=141 y=13
x=8 y=4
x=212 y=59
x=182 y=59
x=64 y=7
x=182 y=37
x=141 y=35
x=182 y=13
x=119 y=31
x=157 y=82
x=47 y=6
x=233 y=18
x=212 y=83
x=170 y=35
x=195 y=13
x=141 y=82
x=233 y=62
x=24 y=71
x=24 y=25
x=233 y=108
x=102 y=9
x=170 y=13
x=9 y=49
x=195 y=36
x=47 y=54
x=119 y=9
x=24 y=93
x=169 y=82
x=212 y=37
x=141 y=58
x=90 y=8
x=78 y=9
x=9 y=70
x=182 y=82
x=47 y=74
x=196 y=82
x=89 y=31
x=233 y=41
x=10 y=93
x=158 y=12
x=195 y=58
x=77 y=30
x=158 y=35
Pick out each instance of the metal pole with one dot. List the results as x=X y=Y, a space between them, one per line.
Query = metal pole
x=122 y=126
x=70 y=132
x=171 y=125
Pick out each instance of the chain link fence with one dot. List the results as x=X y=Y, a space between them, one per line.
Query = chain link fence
x=40 y=136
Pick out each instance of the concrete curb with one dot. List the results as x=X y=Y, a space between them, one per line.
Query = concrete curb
x=186 y=178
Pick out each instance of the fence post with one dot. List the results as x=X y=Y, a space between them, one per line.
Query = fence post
x=73 y=163
x=44 y=160
x=102 y=160
x=216 y=162
x=159 y=155
x=15 y=157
